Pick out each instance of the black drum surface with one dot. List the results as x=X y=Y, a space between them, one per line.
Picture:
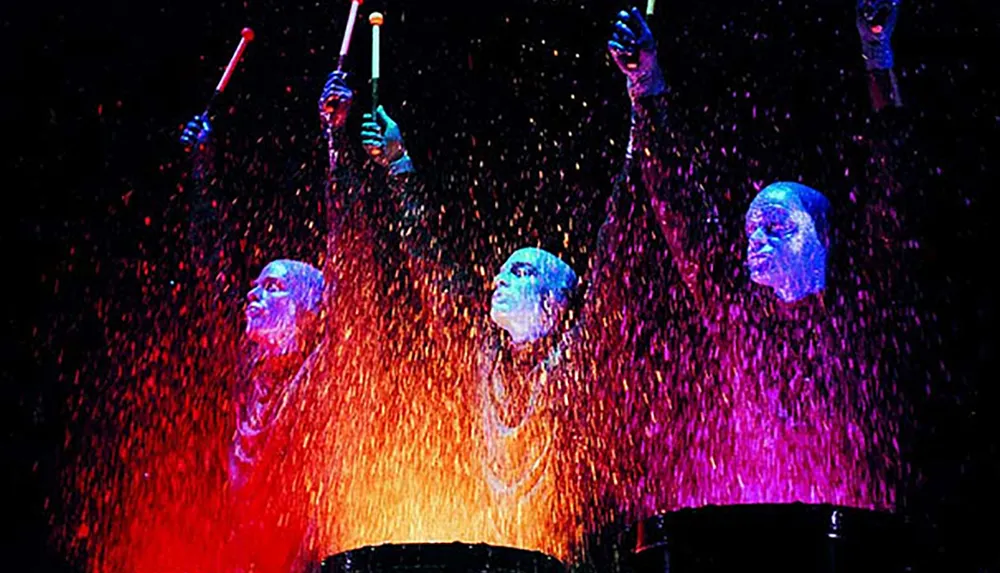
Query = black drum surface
x=441 y=558
x=783 y=538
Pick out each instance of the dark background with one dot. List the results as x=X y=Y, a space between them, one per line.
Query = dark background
x=95 y=93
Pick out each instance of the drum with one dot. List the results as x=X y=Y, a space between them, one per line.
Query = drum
x=779 y=538
x=441 y=558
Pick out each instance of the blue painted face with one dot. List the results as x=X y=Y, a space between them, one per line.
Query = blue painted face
x=784 y=250
x=283 y=291
x=530 y=291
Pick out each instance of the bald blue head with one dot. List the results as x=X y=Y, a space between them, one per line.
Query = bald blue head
x=788 y=236
x=285 y=297
x=532 y=290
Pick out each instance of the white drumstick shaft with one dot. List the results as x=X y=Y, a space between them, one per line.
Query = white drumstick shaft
x=650 y=5
x=350 y=27
x=375 y=52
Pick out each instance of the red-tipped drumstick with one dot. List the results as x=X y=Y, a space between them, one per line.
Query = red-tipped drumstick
x=351 y=18
x=246 y=37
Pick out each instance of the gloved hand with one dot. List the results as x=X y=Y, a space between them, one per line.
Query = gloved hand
x=875 y=20
x=335 y=101
x=197 y=132
x=633 y=48
x=383 y=141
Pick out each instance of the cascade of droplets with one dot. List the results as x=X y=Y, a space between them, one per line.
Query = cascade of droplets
x=149 y=485
x=390 y=416
x=386 y=436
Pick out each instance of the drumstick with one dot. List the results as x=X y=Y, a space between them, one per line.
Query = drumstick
x=351 y=18
x=246 y=37
x=376 y=20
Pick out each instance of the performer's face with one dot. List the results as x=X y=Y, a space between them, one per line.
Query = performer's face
x=272 y=307
x=522 y=301
x=783 y=246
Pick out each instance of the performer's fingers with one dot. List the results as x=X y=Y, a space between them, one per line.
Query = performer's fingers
x=625 y=31
x=617 y=48
x=368 y=137
x=624 y=40
x=383 y=118
x=334 y=84
x=881 y=13
x=637 y=23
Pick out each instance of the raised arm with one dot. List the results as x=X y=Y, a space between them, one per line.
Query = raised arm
x=207 y=238
x=619 y=274
x=667 y=164
x=440 y=282
x=612 y=239
x=887 y=128
x=876 y=20
x=344 y=191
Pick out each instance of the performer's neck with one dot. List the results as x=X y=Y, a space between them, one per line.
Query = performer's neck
x=800 y=285
x=529 y=349
x=797 y=294
x=802 y=307
x=526 y=334
x=277 y=364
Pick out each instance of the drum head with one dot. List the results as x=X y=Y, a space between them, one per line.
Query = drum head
x=797 y=538
x=441 y=558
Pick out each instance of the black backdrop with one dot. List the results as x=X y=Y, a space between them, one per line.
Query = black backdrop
x=495 y=100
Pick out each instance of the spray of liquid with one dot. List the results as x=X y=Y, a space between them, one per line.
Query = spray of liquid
x=384 y=439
